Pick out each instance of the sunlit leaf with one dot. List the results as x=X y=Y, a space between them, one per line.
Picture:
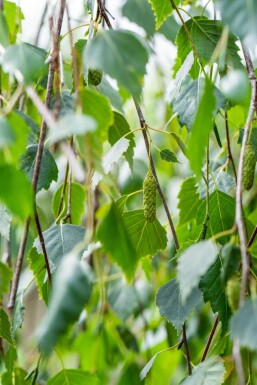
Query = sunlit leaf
x=24 y=61
x=120 y=54
x=193 y=263
x=11 y=196
x=209 y=372
x=170 y=305
x=73 y=377
x=5 y=327
x=244 y=324
x=48 y=168
x=59 y=241
x=71 y=291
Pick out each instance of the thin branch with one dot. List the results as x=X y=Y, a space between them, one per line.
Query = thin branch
x=174 y=6
x=38 y=161
x=230 y=157
x=186 y=349
x=165 y=205
x=41 y=23
x=16 y=278
x=42 y=243
x=103 y=13
x=238 y=363
x=252 y=237
x=239 y=210
x=208 y=344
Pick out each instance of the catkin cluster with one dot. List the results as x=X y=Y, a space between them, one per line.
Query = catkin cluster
x=149 y=196
x=94 y=77
x=249 y=167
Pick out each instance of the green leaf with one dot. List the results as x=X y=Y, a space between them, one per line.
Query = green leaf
x=117 y=130
x=188 y=201
x=209 y=372
x=7 y=135
x=241 y=17
x=147 y=237
x=78 y=195
x=122 y=299
x=162 y=9
x=205 y=35
x=218 y=180
x=130 y=375
x=14 y=17
x=67 y=103
x=201 y=128
x=71 y=291
x=115 y=153
x=170 y=304
x=5 y=222
x=48 y=169
x=193 y=263
x=148 y=366
x=5 y=327
x=244 y=324
x=37 y=266
x=21 y=131
x=214 y=291
x=114 y=236
x=168 y=156
x=59 y=241
x=71 y=124
x=73 y=377
x=188 y=101
x=4 y=38
x=34 y=127
x=10 y=196
x=120 y=54
x=24 y=61
x=18 y=314
x=179 y=142
x=105 y=88
x=222 y=214
x=5 y=278
x=10 y=358
x=98 y=107
x=140 y=13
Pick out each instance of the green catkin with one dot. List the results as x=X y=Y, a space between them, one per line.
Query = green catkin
x=249 y=167
x=94 y=77
x=233 y=293
x=149 y=196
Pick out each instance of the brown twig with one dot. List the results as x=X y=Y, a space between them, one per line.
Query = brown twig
x=252 y=237
x=230 y=156
x=143 y=126
x=208 y=344
x=186 y=349
x=18 y=266
x=42 y=243
x=103 y=13
x=38 y=161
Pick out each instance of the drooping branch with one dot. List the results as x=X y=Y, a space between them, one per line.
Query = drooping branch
x=164 y=202
x=38 y=161
x=239 y=187
x=239 y=209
